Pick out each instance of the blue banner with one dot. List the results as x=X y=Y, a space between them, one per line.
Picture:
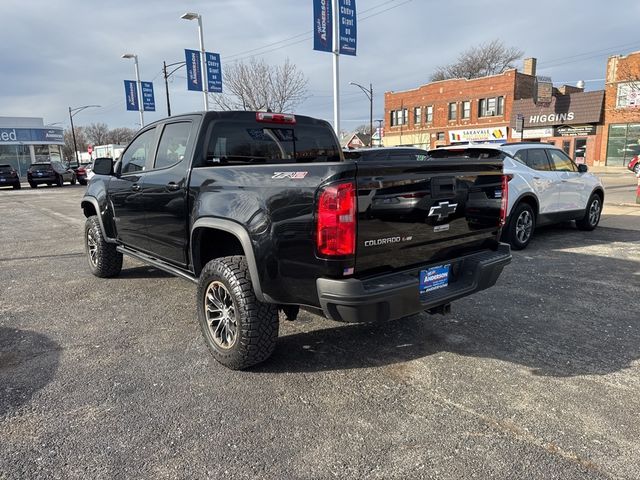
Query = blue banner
x=43 y=135
x=322 y=26
x=194 y=70
x=214 y=72
x=148 y=100
x=131 y=95
x=348 y=27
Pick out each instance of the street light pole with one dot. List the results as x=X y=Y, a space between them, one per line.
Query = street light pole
x=138 y=85
x=166 y=79
x=369 y=94
x=72 y=112
x=203 y=61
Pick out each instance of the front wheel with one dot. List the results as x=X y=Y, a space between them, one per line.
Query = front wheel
x=521 y=225
x=636 y=168
x=239 y=330
x=103 y=258
x=73 y=180
x=591 y=215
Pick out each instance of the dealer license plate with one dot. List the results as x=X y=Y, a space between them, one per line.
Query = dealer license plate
x=434 y=278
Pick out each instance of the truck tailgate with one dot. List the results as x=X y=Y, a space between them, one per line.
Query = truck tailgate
x=416 y=213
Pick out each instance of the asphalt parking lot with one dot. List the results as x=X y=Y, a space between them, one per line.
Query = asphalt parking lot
x=538 y=377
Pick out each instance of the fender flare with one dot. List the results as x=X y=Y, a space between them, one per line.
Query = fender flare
x=242 y=235
x=527 y=195
x=93 y=201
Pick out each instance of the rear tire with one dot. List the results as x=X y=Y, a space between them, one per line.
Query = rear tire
x=591 y=215
x=73 y=180
x=522 y=223
x=103 y=258
x=33 y=185
x=60 y=181
x=636 y=168
x=82 y=182
x=17 y=186
x=239 y=330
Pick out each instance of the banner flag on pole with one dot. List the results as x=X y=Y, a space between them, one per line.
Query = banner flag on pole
x=322 y=26
x=148 y=100
x=348 y=27
x=131 y=95
x=194 y=70
x=214 y=72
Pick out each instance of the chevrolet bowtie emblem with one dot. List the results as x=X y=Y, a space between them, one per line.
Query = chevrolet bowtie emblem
x=443 y=210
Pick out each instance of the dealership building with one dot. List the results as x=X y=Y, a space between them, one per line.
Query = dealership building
x=27 y=140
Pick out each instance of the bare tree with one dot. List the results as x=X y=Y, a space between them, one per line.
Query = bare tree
x=257 y=85
x=485 y=59
x=120 y=136
x=365 y=128
x=97 y=133
x=81 y=142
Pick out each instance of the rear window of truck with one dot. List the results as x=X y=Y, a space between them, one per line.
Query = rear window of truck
x=245 y=143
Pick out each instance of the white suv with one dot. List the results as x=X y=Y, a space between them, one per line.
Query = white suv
x=545 y=186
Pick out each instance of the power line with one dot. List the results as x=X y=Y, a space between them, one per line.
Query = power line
x=307 y=35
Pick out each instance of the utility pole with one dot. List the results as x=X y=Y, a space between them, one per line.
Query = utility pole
x=166 y=79
x=369 y=94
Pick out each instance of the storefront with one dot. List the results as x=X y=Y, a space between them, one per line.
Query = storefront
x=623 y=143
x=24 y=141
x=571 y=122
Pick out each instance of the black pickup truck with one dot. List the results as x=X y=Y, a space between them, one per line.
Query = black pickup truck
x=263 y=212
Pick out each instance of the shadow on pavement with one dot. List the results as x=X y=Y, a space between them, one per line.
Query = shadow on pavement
x=558 y=313
x=28 y=362
x=143 y=272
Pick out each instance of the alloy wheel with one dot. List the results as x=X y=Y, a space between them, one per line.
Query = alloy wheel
x=594 y=212
x=524 y=226
x=221 y=315
x=92 y=246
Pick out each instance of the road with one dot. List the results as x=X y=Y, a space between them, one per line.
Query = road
x=536 y=378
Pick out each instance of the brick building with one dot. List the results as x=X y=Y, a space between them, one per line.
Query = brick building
x=456 y=110
x=572 y=121
x=621 y=131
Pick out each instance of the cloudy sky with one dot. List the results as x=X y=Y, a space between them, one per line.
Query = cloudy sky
x=62 y=53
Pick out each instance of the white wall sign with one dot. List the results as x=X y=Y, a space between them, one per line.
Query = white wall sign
x=478 y=134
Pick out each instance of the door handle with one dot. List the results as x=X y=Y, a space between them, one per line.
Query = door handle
x=536 y=178
x=565 y=181
x=135 y=187
x=172 y=186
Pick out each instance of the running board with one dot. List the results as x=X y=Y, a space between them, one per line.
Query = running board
x=154 y=262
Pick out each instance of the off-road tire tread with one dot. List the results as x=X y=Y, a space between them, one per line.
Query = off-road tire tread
x=109 y=259
x=258 y=321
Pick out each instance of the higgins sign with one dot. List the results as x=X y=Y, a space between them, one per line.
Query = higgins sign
x=557 y=118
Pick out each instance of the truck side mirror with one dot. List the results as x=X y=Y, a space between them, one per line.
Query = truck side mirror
x=103 y=166
x=582 y=168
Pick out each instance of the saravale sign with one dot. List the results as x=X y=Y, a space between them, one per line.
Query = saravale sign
x=575 y=130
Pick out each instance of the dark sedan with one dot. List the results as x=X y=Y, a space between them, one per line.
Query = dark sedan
x=9 y=177
x=54 y=173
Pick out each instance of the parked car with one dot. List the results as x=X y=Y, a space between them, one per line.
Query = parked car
x=634 y=164
x=545 y=186
x=9 y=177
x=53 y=173
x=259 y=210
x=81 y=173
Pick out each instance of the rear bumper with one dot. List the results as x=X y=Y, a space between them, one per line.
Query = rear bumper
x=392 y=296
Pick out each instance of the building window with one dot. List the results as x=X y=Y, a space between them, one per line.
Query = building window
x=491 y=107
x=466 y=110
x=417 y=115
x=628 y=95
x=430 y=114
x=623 y=143
x=440 y=136
x=453 y=111
x=398 y=117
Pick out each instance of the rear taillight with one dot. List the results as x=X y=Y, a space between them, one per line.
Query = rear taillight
x=336 y=224
x=276 y=118
x=504 y=200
